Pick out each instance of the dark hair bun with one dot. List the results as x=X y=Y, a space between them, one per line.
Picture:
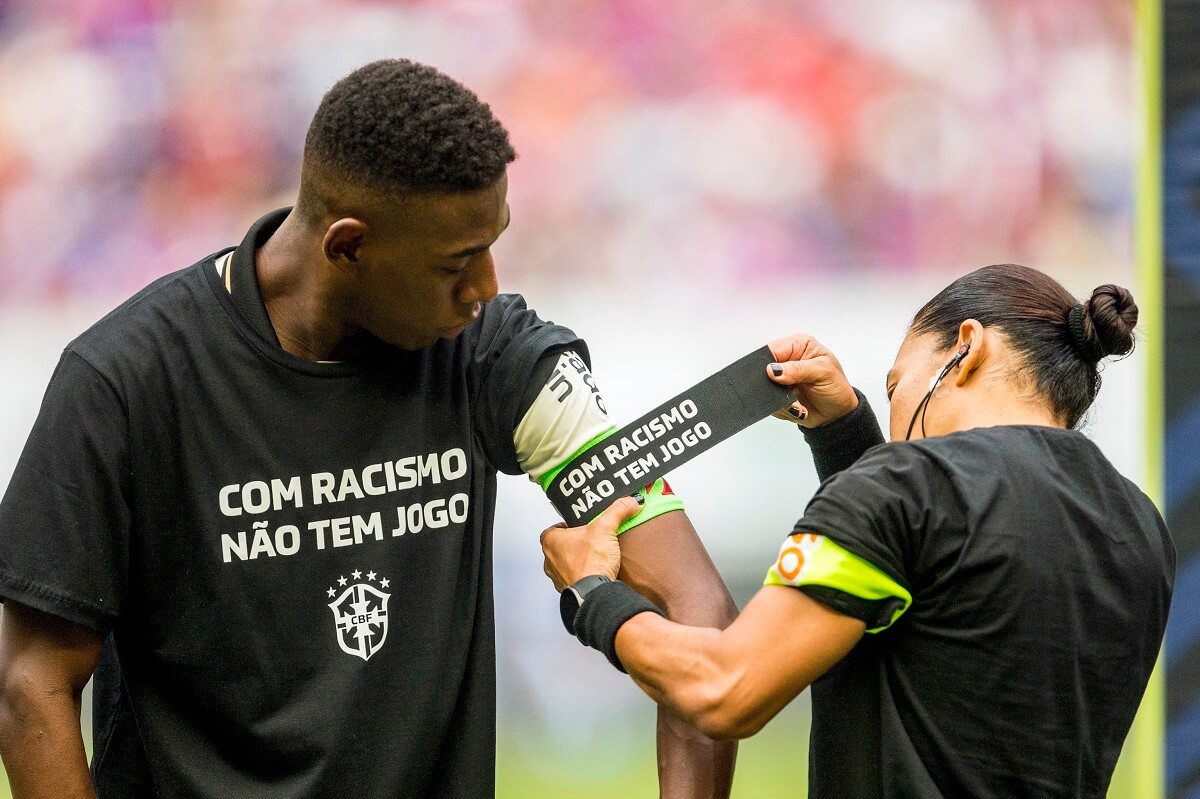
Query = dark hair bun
x=1108 y=321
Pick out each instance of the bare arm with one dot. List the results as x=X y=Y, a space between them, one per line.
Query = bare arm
x=45 y=662
x=665 y=561
x=731 y=683
x=728 y=683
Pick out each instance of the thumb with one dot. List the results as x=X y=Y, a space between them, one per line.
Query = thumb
x=797 y=373
x=617 y=514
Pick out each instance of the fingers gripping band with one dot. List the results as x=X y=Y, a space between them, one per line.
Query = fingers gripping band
x=602 y=613
x=669 y=436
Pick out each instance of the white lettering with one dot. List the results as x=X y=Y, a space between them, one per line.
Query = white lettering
x=340 y=531
x=406 y=473
x=256 y=497
x=428 y=465
x=371 y=527
x=231 y=547
x=319 y=527
x=369 y=484
x=349 y=486
x=322 y=488
x=287 y=539
x=289 y=492
x=262 y=542
x=227 y=508
x=454 y=463
x=458 y=508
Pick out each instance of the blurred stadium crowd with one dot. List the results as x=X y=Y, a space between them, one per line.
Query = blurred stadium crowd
x=725 y=141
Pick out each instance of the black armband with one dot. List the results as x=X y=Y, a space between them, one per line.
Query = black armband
x=602 y=613
x=837 y=445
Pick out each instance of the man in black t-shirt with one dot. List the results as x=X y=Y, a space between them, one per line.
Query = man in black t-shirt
x=258 y=498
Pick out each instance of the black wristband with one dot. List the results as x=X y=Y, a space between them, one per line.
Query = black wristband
x=839 y=444
x=604 y=610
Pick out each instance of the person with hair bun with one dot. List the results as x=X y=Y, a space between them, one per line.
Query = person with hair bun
x=978 y=604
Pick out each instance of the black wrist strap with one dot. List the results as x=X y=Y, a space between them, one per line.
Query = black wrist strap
x=604 y=610
x=837 y=445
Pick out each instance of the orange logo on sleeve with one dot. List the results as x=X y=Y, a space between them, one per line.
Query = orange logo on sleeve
x=791 y=557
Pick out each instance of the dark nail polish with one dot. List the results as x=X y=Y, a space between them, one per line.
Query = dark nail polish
x=777 y=370
x=795 y=413
x=803 y=415
x=639 y=498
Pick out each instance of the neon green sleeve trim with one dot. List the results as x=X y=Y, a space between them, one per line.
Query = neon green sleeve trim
x=658 y=501
x=811 y=559
x=547 y=478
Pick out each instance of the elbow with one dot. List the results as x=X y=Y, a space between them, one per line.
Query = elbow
x=726 y=725
x=29 y=696
x=18 y=693
x=719 y=709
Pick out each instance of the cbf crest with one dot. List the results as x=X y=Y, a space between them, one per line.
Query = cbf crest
x=360 y=614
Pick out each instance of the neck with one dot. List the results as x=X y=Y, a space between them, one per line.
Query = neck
x=967 y=410
x=307 y=310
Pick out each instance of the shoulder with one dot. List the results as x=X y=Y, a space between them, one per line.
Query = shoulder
x=506 y=314
x=165 y=309
x=508 y=329
x=891 y=475
x=895 y=459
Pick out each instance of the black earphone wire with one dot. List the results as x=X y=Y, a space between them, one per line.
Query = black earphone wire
x=924 y=403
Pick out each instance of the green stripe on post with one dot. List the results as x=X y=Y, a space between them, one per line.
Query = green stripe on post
x=1141 y=771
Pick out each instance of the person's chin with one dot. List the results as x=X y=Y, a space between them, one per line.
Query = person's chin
x=452 y=332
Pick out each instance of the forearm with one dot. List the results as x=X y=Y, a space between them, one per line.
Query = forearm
x=41 y=744
x=720 y=680
x=690 y=763
x=680 y=668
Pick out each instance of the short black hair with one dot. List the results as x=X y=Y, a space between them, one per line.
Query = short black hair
x=396 y=125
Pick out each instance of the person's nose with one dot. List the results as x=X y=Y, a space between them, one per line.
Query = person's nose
x=482 y=285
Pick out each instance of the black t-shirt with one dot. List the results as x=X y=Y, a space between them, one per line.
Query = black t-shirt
x=293 y=558
x=1041 y=580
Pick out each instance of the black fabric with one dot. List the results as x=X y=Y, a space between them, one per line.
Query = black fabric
x=243 y=278
x=604 y=610
x=871 y=612
x=837 y=445
x=119 y=764
x=688 y=424
x=1041 y=580
x=237 y=678
x=537 y=381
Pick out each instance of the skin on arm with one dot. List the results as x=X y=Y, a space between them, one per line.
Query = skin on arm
x=666 y=562
x=730 y=683
x=45 y=661
x=727 y=683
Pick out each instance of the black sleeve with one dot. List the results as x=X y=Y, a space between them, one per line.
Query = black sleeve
x=885 y=508
x=64 y=520
x=537 y=381
x=511 y=342
x=839 y=444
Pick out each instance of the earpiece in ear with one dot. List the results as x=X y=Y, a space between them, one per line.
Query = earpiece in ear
x=959 y=354
x=940 y=375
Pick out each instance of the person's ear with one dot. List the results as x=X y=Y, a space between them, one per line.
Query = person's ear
x=343 y=241
x=970 y=335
